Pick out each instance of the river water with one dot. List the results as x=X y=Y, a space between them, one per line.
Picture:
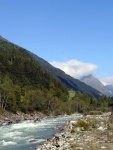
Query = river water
x=27 y=134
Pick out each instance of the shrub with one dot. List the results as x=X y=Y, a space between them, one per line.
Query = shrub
x=83 y=123
x=95 y=113
x=57 y=112
x=74 y=146
x=46 y=112
x=86 y=124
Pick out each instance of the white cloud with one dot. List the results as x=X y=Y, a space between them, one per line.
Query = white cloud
x=107 y=80
x=75 y=68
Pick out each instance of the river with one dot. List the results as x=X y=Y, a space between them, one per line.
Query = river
x=27 y=134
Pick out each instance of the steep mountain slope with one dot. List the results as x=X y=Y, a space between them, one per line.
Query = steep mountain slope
x=110 y=87
x=3 y=39
x=23 y=70
x=69 y=81
x=34 y=71
x=95 y=83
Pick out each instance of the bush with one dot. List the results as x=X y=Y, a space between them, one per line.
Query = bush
x=2 y=111
x=95 y=113
x=84 y=124
x=74 y=146
x=46 y=112
x=57 y=112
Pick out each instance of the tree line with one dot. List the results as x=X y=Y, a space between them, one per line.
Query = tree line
x=15 y=98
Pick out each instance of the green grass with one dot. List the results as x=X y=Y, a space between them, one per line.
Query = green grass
x=71 y=93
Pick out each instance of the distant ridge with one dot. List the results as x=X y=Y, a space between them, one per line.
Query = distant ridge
x=110 y=87
x=95 y=83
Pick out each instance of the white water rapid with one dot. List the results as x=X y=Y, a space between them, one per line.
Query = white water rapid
x=27 y=134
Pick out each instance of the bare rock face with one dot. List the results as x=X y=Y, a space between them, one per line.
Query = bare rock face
x=95 y=83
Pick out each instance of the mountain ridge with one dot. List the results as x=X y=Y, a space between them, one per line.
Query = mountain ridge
x=69 y=81
x=1 y=38
x=95 y=83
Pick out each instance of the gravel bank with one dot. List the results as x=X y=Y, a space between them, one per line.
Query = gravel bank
x=92 y=132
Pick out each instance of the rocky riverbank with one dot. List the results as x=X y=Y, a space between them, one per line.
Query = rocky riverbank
x=92 y=132
x=9 y=118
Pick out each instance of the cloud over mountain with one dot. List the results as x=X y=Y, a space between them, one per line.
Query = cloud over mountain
x=75 y=68
x=107 y=80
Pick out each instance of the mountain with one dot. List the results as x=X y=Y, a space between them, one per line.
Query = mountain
x=26 y=86
x=95 y=83
x=110 y=87
x=34 y=73
x=69 y=81
x=23 y=70
x=3 y=39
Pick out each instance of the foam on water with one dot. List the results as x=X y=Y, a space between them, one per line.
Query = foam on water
x=23 y=125
x=12 y=134
x=4 y=143
x=27 y=133
x=33 y=140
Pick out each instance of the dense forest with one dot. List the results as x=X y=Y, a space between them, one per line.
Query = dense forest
x=26 y=86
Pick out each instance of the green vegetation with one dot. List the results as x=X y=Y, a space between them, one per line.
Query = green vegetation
x=84 y=124
x=71 y=94
x=70 y=82
x=26 y=86
x=87 y=104
x=74 y=146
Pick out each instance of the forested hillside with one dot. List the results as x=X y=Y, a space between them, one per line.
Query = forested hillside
x=69 y=81
x=25 y=85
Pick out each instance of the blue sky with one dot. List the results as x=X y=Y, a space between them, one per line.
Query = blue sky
x=74 y=35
